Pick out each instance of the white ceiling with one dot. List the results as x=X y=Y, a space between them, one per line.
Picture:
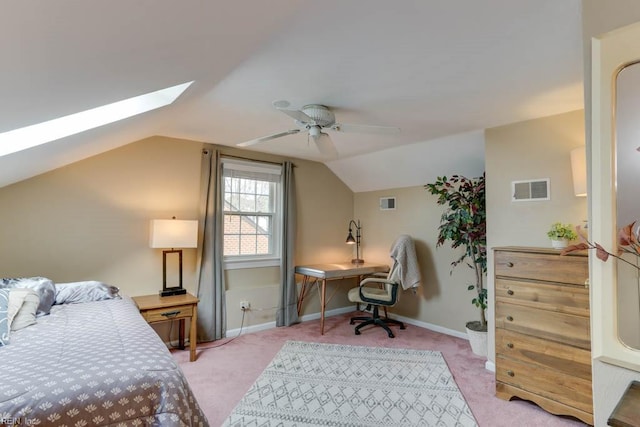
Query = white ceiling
x=441 y=71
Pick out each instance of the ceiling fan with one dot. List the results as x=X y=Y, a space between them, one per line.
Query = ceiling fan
x=314 y=119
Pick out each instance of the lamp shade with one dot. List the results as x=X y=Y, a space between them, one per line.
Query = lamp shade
x=173 y=233
x=579 y=170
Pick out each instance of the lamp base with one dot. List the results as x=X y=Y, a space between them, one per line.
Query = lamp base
x=357 y=261
x=172 y=291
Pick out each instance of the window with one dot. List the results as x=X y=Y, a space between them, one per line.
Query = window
x=252 y=219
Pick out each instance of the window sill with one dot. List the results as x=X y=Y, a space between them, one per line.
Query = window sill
x=253 y=263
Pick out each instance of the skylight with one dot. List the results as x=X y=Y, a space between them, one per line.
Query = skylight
x=51 y=130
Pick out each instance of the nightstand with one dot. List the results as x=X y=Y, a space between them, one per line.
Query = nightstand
x=156 y=309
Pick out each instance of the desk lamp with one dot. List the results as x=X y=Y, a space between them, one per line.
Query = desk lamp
x=173 y=233
x=356 y=241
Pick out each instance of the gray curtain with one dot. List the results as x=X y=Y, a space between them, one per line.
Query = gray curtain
x=211 y=309
x=287 y=313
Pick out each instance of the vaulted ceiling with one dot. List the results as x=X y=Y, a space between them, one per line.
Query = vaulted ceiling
x=440 y=71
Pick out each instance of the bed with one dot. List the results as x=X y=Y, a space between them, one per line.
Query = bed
x=93 y=363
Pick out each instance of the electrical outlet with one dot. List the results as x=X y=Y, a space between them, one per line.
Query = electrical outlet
x=244 y=305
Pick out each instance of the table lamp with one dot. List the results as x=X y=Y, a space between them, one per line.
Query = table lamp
x=356 y=241
x=172 y=234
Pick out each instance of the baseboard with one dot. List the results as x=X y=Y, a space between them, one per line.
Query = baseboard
x=430 y=326
x=269 y=325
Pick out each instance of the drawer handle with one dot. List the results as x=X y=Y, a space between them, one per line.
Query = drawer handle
x=510 y=318
x=509 y=264
x=509 y=292
x=510 y=345
x=171 y=313
x=511 y=373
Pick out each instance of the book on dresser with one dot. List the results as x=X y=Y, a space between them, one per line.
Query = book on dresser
x=543 y=343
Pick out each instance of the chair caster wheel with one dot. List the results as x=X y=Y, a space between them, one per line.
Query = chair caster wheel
x=357 y=332
x=403 y=327
x=391 y=336
x=351 y=322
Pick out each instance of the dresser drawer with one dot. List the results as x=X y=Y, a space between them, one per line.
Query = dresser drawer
x=547 y=267
x=564 y=328
x=567 y=389
x=561 y=298
x=562 y=358
x=169 y=313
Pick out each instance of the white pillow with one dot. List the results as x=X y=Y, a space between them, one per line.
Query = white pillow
x=23 y=304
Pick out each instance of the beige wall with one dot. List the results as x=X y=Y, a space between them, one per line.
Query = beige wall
x=90 y=221
x=443 y=300
x=529 y=150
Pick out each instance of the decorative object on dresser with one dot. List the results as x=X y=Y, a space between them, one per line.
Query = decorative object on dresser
x=173 y=233
x=561 y=234
x=464 y=224
x=156 y=309
x=543 y=343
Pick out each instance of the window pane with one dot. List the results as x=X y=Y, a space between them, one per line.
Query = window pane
x=231 y=245
x=248 y=245
x=262 y=187
x=263 y=244
x=232 y=224
x=247 y=186
x=263 y=204
x=248 y=225
x=248 y=203
x=263 y=225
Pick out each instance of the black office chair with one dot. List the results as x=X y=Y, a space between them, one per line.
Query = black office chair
x=385 y=292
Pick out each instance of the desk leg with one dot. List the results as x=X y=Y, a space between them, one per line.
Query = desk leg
x=303 y=290
x=322 y=303
x=193 y=334
x=181 y=334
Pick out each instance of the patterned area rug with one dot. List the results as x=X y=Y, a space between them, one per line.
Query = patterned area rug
x=312 y=384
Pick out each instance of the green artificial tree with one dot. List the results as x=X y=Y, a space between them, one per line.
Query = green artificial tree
x=464 y=224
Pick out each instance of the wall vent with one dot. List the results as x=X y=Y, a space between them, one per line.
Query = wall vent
x=387 y=203
x=535 y=189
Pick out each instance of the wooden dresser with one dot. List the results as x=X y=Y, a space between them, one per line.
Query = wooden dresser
x=543 y=344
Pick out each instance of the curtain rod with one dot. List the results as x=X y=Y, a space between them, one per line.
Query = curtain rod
x=251 y=160
x=205 y=150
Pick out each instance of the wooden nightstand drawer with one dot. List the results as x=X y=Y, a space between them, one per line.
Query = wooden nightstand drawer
x=550 y=384
x=168 y=313
x=547 y=296
x=545 y=354
x=564 y=328
x=537 y=266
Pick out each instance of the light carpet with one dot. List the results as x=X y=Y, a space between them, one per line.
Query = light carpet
x=313 y=384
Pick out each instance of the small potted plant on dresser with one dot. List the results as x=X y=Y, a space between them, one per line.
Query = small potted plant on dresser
x=561 y=234
x=464 y=224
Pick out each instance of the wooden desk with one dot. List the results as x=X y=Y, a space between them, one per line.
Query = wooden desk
x=320 y=273
x=155 y=309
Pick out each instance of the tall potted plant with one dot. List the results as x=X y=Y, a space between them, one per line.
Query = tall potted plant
x=464 y=225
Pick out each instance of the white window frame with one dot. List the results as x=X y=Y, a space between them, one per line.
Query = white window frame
x=232 y=262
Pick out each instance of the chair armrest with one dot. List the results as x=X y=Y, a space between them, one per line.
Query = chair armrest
x=371 y=280
x=376 y=280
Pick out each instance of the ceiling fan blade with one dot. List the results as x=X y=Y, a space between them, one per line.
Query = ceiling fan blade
x=297 y=115
x=325 y=145
x=268 y=138
x=381 y=130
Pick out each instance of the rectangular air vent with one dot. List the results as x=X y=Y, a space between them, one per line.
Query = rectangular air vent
x=535 y=189
x=387 y=203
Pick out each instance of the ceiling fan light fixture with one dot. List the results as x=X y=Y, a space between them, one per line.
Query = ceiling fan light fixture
x=314 y=132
